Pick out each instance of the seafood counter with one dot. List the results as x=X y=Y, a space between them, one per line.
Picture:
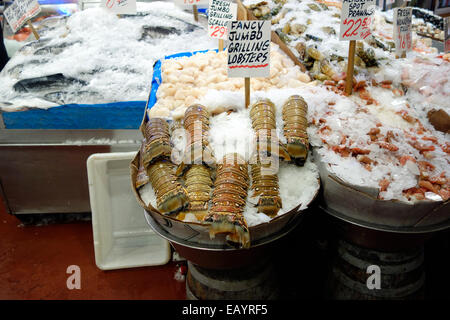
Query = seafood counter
x=382 y=152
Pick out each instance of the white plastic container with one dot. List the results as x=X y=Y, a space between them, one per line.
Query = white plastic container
x=122 y=237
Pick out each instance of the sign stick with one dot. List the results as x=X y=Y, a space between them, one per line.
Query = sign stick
x=350 y=66
x=247 y=80
x=247 y=92
x=446 y=34
x=220 y=45
x=36 y=34
x=195 y=12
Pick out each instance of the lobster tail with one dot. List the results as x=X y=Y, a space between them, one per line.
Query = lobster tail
x=295 y=123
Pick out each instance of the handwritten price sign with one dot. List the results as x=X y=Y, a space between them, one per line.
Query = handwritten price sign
x=249 y=49
x=402 y=29
x=356 y=19
x=21 y=11
x=219 y=13
x=120 y=6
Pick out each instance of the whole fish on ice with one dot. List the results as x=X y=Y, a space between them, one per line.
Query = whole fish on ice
x=47 y=83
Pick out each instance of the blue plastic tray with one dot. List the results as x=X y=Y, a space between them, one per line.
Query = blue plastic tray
x=157 y=80
x=117 y=115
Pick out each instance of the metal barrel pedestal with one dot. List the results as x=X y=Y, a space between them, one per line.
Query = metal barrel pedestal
x=361 y=249
x=227 y=273
x=401 y=273
x=254 y=282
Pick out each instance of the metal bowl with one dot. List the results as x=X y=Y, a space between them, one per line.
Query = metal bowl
x=376 y=238
x=361 y=206
x=385 y=228
x=198 y=233
x=220 y=256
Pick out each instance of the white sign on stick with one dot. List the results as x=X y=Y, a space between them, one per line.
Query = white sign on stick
x=402 y=29
x=190 y=3
x=249 y=49
x=219 y=13
x=20 y=11
x=120 y=6
x=356 y=19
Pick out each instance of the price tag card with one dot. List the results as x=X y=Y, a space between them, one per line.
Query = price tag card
x=189 y=3
x=402 y=29
x=120 y=6
x=356 y=19
x=219 y=13
x=249 y=49
x=20 y=11
x=447 y=34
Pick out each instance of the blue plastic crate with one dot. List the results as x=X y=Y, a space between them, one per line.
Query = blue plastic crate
x=117 y=115
x=157 y=80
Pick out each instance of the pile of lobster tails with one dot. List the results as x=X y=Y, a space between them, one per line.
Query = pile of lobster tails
x=217 y=191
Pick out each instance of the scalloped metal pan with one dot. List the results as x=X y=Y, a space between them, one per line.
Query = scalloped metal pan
x=198 y=234
x=359 y=205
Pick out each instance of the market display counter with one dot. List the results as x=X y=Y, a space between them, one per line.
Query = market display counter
x=44 y=171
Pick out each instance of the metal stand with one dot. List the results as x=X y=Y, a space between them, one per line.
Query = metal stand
x=255 y=282
x=363 y=253
x=401 y=274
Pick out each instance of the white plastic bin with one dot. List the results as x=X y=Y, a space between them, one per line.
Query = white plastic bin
x=122 y=237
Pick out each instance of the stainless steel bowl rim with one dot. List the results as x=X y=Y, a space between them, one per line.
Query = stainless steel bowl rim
x=427 y=229
x=260 y=242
